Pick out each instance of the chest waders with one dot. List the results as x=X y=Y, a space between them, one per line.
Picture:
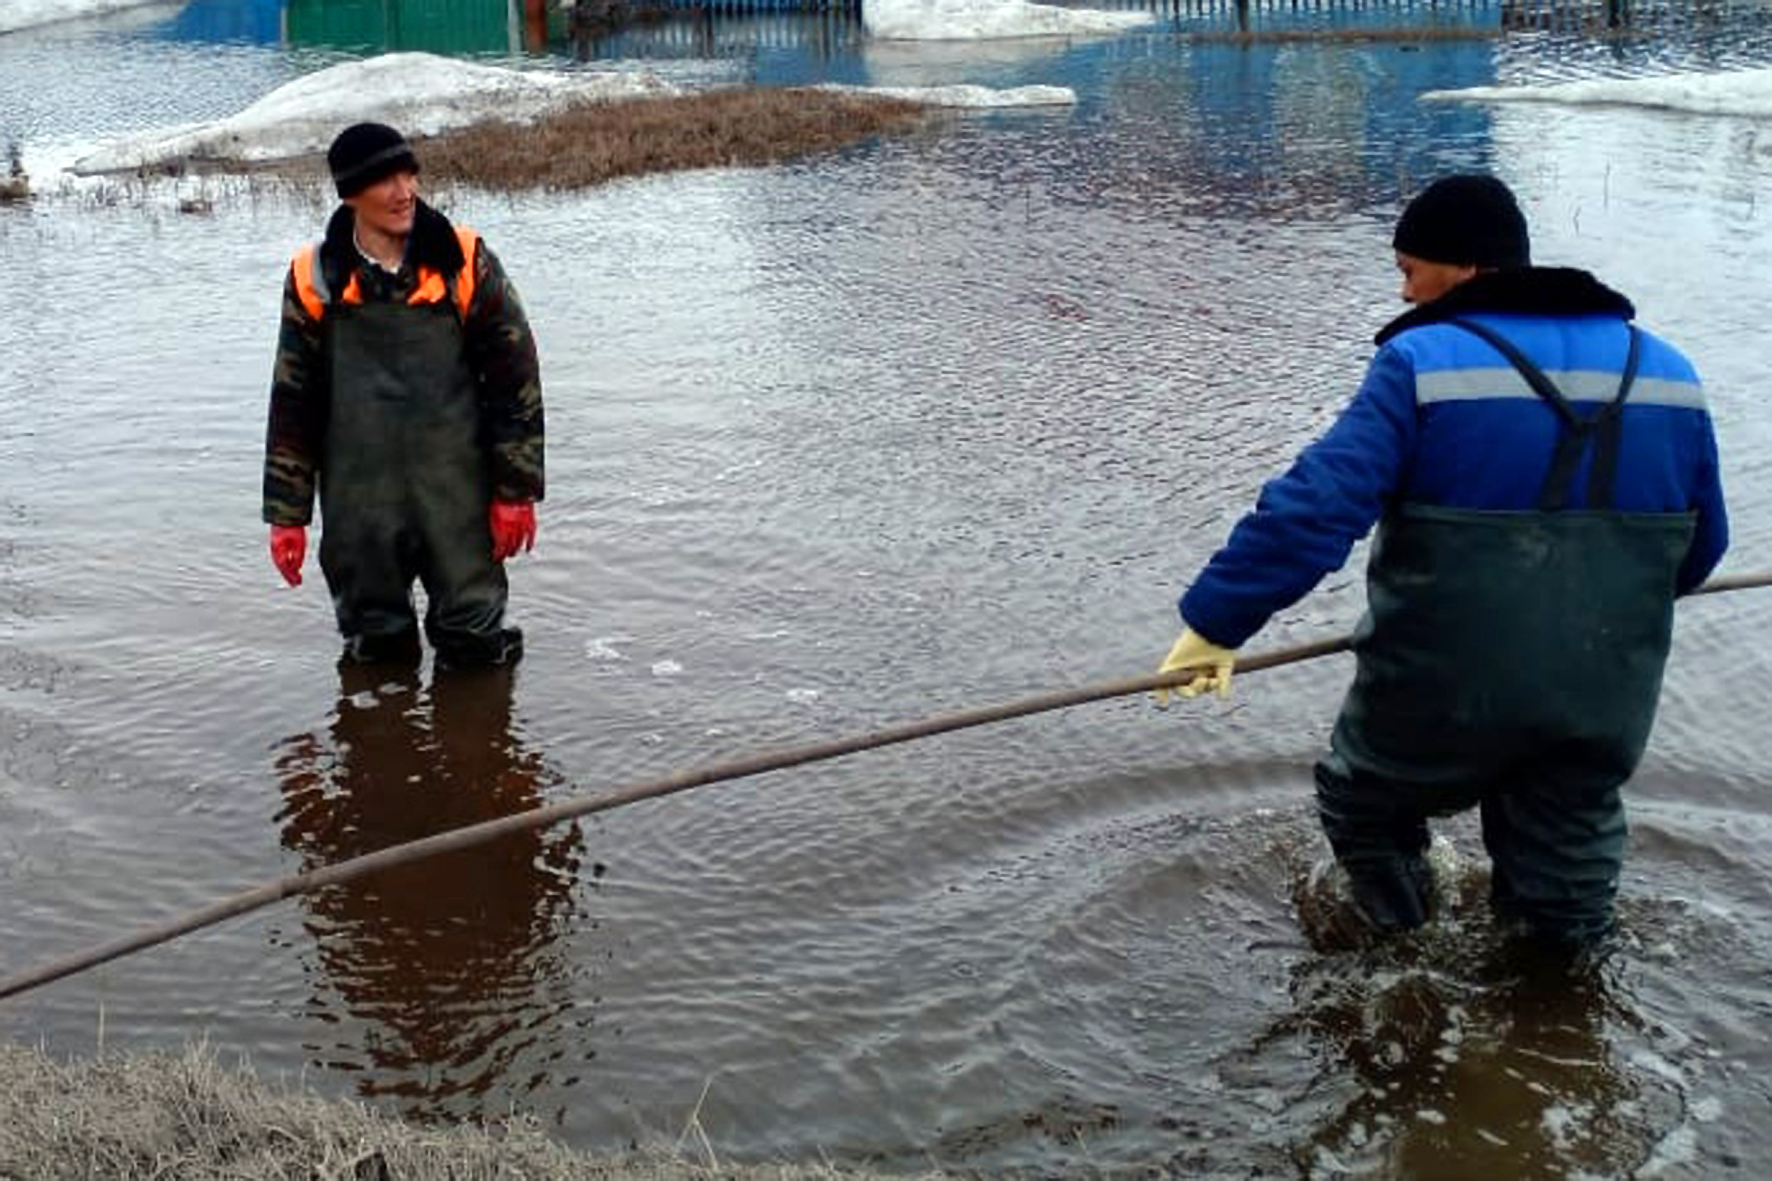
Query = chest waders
x=1510 y=661
x=405 y=488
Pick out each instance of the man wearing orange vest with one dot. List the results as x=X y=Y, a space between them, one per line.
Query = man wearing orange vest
x=407 y=394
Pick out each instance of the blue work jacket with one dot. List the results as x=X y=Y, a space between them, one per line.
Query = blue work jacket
x=1442 y=421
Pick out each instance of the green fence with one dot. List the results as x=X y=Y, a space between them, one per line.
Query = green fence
x=434 y=26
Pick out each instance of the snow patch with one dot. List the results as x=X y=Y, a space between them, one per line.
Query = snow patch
x=420 y=93
x=1734 y=92
x=975 y=20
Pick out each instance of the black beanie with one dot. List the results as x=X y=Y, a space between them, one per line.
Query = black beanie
x=363 y=153
x=1465 y=220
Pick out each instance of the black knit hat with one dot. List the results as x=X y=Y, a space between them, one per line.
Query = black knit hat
x=363 y=153
x=1466 y=220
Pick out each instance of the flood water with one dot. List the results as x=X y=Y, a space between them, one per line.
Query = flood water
x=931 y=423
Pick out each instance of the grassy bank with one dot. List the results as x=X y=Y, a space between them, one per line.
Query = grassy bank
x=591 y=143
x=189 y=1116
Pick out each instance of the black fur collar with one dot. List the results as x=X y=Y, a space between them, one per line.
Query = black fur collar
x=433 y=244
x=1543 y=291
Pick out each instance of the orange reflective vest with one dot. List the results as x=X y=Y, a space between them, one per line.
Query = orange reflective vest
x=433 y=286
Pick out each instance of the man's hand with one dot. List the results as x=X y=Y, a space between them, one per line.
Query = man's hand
x=513 y=528
x=289 y=546
x=1211 y=664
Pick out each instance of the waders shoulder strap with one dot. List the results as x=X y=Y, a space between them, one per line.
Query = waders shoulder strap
x=1602 y=427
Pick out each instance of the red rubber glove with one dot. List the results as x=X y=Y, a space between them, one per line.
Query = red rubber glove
x=289 y=545
x=513 y=528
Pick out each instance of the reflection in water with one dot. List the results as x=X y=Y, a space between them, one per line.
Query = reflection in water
x=454 y=965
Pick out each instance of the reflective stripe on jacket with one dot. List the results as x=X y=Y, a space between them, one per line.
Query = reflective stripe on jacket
x=433 y=287
x=1441 y=420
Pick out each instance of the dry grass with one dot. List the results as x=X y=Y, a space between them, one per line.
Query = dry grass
x=597 y=142
x=591 y=143
x=187 y=1116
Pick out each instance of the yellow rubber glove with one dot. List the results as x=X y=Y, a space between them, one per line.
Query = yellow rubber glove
x=1211 y=664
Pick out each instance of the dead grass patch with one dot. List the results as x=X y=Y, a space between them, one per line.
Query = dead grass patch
x=591 y=143
x=130 y=1117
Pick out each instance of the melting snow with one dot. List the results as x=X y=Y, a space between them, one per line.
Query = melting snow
x=972 y=20
x=420 y=93
x=1735 y=92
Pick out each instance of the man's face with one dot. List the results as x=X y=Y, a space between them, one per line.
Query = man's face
x=388 y=205
x=1425 y=281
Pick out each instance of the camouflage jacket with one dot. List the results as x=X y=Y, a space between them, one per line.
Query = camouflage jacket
x=501 y=350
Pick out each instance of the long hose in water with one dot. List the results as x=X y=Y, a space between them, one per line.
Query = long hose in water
x=489 y=830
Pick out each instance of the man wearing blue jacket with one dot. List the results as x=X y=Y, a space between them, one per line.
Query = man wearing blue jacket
x=1543 y=476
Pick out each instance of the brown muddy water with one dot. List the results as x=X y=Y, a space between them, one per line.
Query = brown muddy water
x=933 y=423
